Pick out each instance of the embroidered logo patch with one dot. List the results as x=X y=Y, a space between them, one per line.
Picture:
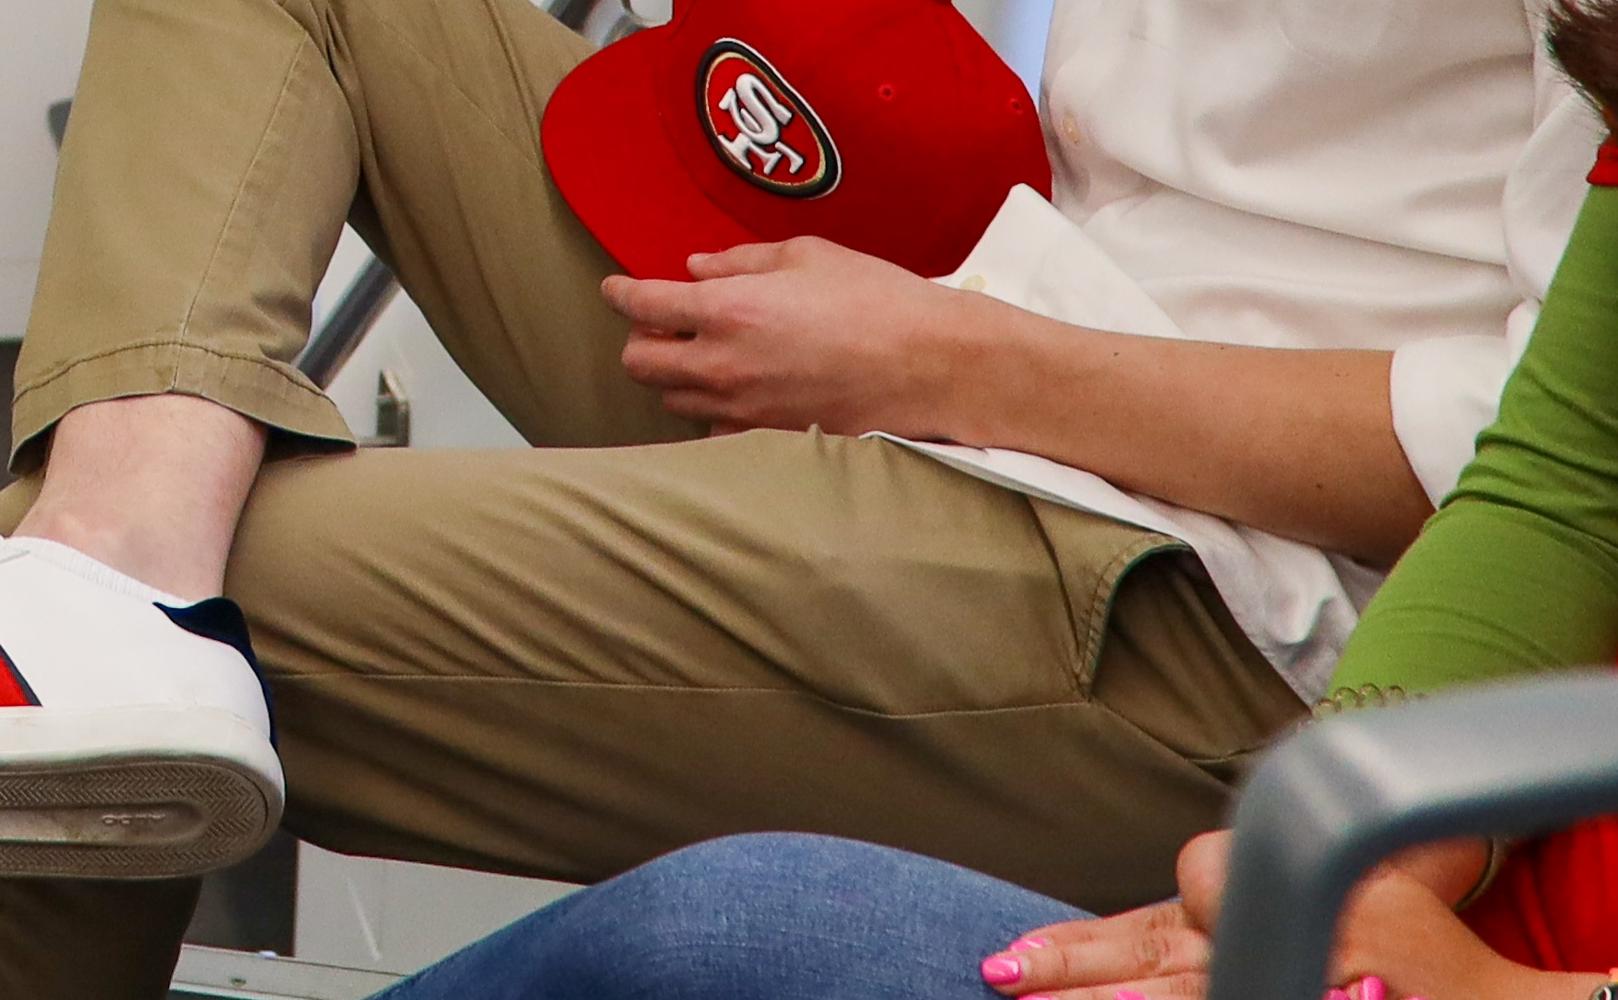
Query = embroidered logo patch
x=762 y=128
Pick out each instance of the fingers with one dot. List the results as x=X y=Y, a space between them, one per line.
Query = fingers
x=691 y=378
x=1369 y=988
x=664 y=362
x=663 y=305
x=1154 y=943
x=681 y=369
x=1181 y=986
x=757 y=258
x=703 y=407
x=1158 y=916
x=1200 y=872
x=749 y=258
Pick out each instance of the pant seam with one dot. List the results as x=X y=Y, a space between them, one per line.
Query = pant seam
x=175 y=341
x=236 y=201
x=531 y=151
x=692 y=691
x=510 y=52
x=1108 y=580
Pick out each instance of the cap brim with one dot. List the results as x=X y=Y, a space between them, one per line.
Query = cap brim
x=642 y=206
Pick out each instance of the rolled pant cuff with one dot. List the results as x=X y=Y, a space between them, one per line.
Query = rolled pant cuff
x=274 y=394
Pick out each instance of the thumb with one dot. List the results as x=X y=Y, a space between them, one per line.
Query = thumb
x=1200 y=872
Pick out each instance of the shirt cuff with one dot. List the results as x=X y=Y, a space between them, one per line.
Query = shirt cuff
x=1444 y=392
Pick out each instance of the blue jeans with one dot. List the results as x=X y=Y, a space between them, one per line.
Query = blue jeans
x=765 y=916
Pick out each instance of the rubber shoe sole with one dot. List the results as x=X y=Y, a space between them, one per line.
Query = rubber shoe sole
x=132 y=793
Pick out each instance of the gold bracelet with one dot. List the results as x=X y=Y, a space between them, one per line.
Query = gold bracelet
x=1499 y=847
x=1348 y=699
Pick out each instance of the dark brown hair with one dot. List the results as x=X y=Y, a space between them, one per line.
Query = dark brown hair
x=1583 y=36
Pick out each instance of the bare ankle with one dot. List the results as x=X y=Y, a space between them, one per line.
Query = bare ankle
x=151 y=486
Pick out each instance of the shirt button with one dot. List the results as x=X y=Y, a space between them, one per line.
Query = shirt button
x=1070 y=128
x=974 y=283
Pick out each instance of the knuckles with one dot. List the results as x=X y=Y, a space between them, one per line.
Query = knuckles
x=1172 y=950
x=1188 y=984
x=642 y=362
x=724 y=376
x=1151 y=952
x=804 y=248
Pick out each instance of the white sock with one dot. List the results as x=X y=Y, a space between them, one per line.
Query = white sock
x=94 y=570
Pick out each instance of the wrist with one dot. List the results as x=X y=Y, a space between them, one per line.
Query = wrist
x=1518 y=982
x=1002 y=362
x=954 y=344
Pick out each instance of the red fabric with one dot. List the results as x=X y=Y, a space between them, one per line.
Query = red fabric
x=902 y=133
x=12 y=693
x=1605 y=172
x=1555 y=903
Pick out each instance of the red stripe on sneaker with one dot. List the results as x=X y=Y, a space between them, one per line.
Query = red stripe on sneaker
x=14 y=691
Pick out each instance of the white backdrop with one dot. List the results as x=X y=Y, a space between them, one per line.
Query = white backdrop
x=40 y=43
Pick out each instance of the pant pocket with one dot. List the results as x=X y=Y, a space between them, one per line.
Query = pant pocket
x=1157 y=647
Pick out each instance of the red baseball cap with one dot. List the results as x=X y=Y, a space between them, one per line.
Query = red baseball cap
x=888 y=126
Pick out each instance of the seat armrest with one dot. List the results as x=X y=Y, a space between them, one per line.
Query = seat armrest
x=1327 y=804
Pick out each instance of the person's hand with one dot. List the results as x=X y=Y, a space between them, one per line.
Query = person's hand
x=1396 y=927
x=793 y=334
x=1398 y=939
x=1156 y=951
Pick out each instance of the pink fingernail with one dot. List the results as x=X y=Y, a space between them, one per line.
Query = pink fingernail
x=1337 y=995
x=1128 y=995
x=1373 y=988
x=1028 y=944
x=998 y=971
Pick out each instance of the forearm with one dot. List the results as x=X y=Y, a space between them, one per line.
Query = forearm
x=1520 y=570
x=1299 y=443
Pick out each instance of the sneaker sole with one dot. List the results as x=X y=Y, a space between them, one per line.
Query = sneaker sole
x=136 y=793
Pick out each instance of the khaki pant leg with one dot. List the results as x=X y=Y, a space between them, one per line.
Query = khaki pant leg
x=573 y=660
x=216 y=149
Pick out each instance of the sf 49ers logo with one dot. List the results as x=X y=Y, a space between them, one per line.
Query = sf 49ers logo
x=760 y=127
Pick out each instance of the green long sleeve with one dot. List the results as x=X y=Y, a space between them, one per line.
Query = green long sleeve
x=1519 y=570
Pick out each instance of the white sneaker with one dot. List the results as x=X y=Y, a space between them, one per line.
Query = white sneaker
x=135 y=738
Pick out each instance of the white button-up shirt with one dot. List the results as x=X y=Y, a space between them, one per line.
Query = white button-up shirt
x=1396 y=175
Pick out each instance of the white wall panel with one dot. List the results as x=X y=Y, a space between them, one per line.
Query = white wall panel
x=41 y=44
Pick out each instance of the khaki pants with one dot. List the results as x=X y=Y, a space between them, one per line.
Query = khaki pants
x=565 y=660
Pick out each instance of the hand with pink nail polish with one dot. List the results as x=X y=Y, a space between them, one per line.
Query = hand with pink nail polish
x=1398 y=938
x=1151 y=952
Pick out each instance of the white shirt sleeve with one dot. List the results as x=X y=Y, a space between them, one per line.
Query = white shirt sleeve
x=1446 y=390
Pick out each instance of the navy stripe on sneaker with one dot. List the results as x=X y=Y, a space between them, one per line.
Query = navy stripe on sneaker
x=219 y=619
x=13 y=684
